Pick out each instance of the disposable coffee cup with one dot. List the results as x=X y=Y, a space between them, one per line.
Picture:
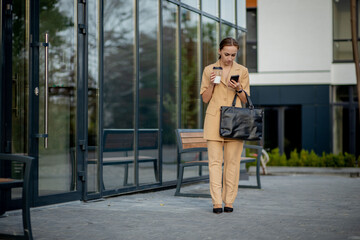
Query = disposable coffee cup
x=218 y=72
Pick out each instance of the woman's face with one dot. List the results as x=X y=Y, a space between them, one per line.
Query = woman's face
x=228 y=55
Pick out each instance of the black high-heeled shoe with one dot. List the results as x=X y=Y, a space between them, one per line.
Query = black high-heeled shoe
x=228 y=209
x=217 y=210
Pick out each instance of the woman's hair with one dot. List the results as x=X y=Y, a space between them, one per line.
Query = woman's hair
x=229 y=41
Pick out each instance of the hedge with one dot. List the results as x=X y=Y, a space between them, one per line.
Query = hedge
x=310 y=159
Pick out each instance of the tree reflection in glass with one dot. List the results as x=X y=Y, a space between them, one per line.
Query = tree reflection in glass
x=190 y=83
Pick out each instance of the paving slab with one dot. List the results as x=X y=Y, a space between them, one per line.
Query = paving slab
x=287 y=207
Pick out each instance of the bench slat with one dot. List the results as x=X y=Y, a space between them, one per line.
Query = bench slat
x=243 y=159
x=194 y=145
x=5 y=180
x=193 y=140
x=191 y=134
x=122 y=160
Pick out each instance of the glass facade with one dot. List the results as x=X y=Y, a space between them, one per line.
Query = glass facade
x=151 y=81
x=152 y=76
x=119 y=82
x=170 y=98
x=122 y=76
x=149 y=85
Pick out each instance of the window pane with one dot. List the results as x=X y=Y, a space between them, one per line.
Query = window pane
x=118 y=102
x=270 y=128
x=227 y=31
x=343 y=51
x=193 y=3
x=241 y=13
x=210 y=41
x=170 y=89
x=211 y=6
x=355 y=94
x=148 y=90
x=251 y=25
x=190 y=83
x=251 y=41
x=228 y=10
x=292 y=129
x=341 y=94
x=93 y=96
x=341 y=129
x=241 y=55
x=342 y=28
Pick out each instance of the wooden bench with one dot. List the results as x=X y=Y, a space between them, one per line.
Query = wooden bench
x=122 y=141
x=191 y=140
x=6 y=184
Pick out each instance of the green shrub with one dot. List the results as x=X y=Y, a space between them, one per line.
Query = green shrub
x=349 y=160
x=276 y=159
x=311 y=159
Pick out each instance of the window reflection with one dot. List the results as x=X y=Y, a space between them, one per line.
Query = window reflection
x=118 y=64
x=211 y=6
x=57 y=18
x=227 y=31
x=170 y=83
x=210 y=41
x=228 y=10
x=118 y=86
x=93 y=97
x=148 y=91
x=190 y=83
x=193 y=3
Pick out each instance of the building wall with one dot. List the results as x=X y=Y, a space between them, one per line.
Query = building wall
x=294 y=42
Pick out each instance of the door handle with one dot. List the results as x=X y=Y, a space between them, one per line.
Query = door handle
x=46 y=94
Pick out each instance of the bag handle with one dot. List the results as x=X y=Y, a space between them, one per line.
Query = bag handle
x=248 y=99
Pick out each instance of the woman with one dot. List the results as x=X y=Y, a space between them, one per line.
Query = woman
x=223 y=187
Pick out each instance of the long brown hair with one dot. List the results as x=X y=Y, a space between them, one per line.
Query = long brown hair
x=229 y=41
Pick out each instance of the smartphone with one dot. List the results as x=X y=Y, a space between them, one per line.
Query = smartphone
x=235 y=78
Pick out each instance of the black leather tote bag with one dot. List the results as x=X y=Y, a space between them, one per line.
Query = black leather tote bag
x=241 y=123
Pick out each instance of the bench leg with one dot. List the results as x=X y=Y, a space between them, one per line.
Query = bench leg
x=4 y=196
x=258 y=185
x=179 y=181
x=26 y=219
x=258 y=173
x=156 y=171
x=126 y=174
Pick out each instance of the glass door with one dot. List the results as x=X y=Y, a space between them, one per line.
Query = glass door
x=14 y=87
x=15 y=79
x=45 y=93
x=57 y=97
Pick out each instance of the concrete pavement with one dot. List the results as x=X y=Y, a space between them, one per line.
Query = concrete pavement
x=287 y=207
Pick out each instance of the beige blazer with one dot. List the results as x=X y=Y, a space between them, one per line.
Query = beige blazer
x=222 y=96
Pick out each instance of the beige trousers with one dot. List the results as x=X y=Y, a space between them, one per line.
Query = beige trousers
x=224 y=187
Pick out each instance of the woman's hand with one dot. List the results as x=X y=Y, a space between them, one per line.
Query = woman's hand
x=212 y=78
x=206 y=96
x=235 y=85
